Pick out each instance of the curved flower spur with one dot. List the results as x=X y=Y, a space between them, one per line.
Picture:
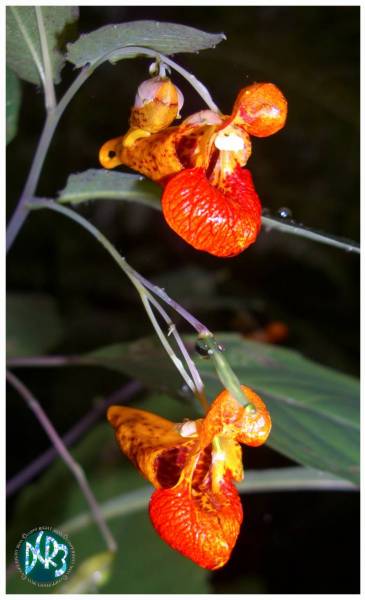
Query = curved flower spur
x=209 y=198
x=196 y=508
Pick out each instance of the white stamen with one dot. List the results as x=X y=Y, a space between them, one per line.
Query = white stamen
x=218 y=457
x=187 y=429
x=231 y=142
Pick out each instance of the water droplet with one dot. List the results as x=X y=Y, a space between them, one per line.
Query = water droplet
x=203 y=349
x=284 y=213
x=185 y=391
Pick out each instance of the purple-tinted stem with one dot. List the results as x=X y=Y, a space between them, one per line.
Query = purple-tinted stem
x=68 y=459
x=124 y=394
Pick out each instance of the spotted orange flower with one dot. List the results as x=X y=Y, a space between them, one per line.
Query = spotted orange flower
x=196 y=508
x=209 y=198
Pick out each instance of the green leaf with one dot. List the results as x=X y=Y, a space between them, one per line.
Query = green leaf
x=167 y=38
x=23 y=46
x=33 y=325
x=315 y=410
x=13 y=99
x=144 y=360
x=109 y=185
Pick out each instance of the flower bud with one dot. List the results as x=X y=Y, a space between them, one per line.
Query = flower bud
x=261 y=109
x=157 y=104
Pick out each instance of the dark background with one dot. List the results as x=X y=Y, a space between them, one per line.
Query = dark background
x=294 y=542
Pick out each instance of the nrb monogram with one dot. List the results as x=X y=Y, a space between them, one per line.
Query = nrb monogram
x=51 y=550
x=44 y=556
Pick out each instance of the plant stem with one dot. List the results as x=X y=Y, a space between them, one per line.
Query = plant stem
x=224 y=371
x=310 y=234
x=197 y=325
x=74 y=466
x=177 y=362
x=194 y=82
x=40 y=361
x=123 y=395
x=131 y=274
x=21 y=212
x=199 y=386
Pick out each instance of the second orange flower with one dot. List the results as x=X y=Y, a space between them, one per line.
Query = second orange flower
x=193 y=465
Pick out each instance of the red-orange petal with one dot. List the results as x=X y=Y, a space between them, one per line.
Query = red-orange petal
x=223 y=222
x=201 y=526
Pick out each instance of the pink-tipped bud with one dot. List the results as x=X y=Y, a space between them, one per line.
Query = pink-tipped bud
x=157 y=105
x=161 y=89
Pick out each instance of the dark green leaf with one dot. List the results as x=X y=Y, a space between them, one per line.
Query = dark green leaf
x=33 y=324
x=23 y=46
x=13 y=98
x=167 y=38
x=101 y=184
x=315 y=410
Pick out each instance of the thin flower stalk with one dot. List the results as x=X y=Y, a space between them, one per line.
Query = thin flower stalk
x=68 y=459
x=144 y=293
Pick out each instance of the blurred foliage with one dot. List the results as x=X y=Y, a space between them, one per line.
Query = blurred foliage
x=13 y=99
x=312 y=166
x=34 y=324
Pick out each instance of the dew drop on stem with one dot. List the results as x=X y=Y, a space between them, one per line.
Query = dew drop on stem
x=285 y=213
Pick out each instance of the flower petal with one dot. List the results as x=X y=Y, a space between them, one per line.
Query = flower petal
x=199 y=524
x=151 y=442
x=151 y=155
x=221 y=222
x=226 y=417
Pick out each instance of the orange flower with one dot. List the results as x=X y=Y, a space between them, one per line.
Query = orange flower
x=209 y=198
x=196 y=508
